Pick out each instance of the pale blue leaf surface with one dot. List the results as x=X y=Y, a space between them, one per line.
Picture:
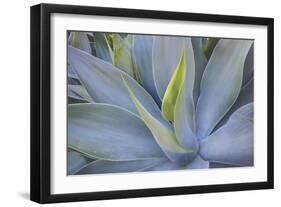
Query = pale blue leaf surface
x=162 y=132
x=75 y=161
x=200 y=64
x=233 y=142
x=245 y=97
x=104 y=166
x=248 y=66
x=102 y=47
x=80 y=40
x=198 y=163
x=104 y=83
x=184 y=122
x=142 y=56
x=221 y=83
x=109 y=132
x=166 y=53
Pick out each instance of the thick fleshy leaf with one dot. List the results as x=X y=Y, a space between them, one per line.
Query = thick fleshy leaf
x=221 y=83
x=109 y=132
x=248 y=66
x=79 y=92
x=104 y=83
x=163 y=133
x=184 y=123
x=75 y=161
x=80 y=41
x=142 y=56
x=246 y=96
x=122 y=56
x=200 y=64
x=103 y=49
x=233 y=142
x=210 y=45
x=104 y=166
x=166 y=53
x=173 y=89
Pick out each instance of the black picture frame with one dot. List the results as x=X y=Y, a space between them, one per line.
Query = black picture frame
x=41 y=98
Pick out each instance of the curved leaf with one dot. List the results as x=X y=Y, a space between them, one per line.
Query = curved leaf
x=79 y=92
x=200 y=64
x=142 y=56
x=233 y=142
x=103 y=49
x=166 y=53
x=210 y=45
x=104 y=166
x=248 y=66
x=184 y=122
x=173 y=89
x=245 y=97
x=163 y=133
x=109 y=132
x=80 y=41
x=221 y=83
x=104 y=82
x=122 y=57
x=75 y=161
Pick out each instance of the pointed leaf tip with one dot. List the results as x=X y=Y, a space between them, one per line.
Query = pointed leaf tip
x=173 y=89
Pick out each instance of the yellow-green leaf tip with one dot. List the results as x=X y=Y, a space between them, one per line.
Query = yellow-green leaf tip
x=173 y=89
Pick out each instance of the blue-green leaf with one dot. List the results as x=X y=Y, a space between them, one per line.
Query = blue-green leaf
x=184 y=122
x=163 y=133
x=166 y=53
x=246 y=96
x=75 y=161
x=233 y=142
x=104 y=82
x=248 y=67
x=142 y=56
x=221 y=83
x=200 y=64
x=79 y=92
x=80 y=40
x=104 y=166
x=103 y=49
x=109 y=132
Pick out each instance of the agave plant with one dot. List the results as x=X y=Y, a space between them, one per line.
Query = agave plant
x=146 y=103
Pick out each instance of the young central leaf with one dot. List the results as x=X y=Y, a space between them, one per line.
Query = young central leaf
x=164 y=136
x=173 y=89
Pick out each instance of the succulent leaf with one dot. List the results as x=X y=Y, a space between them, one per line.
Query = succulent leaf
x=122 y=57
x=75 y=161
x=166 y=53
x=233 y=142
x=221 y=83
x=108 y=132
x=200 y=65
x=105 y=166
x=104 y=82
x=80 y=40
x=210 y=45
x=142 y=56
x=164 y=135
x=184 y=122
x=103 y=49
x=79 y=92
x=173 y=89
